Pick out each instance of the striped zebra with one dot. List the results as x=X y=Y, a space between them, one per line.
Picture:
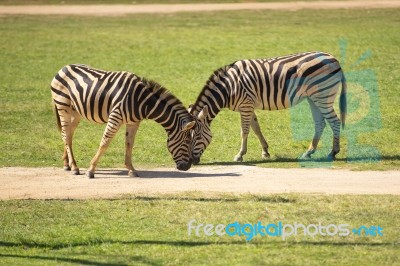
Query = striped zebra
x=117 y=98
x=272 y=84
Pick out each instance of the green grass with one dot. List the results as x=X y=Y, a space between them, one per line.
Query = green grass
x=181 y=51
x=154 y=230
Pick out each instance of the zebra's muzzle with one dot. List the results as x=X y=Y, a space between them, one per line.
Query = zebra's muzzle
x=184 y=166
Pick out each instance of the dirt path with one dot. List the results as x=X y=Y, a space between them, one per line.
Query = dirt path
x=118 y=10
x=54 y=183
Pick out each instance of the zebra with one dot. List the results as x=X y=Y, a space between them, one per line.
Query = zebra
x=272 y=84
x=116 y=98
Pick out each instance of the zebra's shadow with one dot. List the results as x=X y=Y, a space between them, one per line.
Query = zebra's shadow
x=118 y=173
x=181 y=174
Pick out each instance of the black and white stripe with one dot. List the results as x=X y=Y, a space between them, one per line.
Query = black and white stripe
x=117 y=98
x=272 y=84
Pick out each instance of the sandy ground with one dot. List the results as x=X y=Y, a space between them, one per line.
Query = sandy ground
x=117 y=10
x=55 y=183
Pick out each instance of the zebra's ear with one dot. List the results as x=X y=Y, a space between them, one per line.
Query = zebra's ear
x=190 y=109
x=203 y=114
x=188 y=125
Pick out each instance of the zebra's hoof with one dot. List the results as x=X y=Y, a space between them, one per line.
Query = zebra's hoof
x=67 y=168
x=90 y=174
x=76 y=172
x=133 y=174
x=331 y=157
x=238 y=159
x=305 y=157
x=265 y=156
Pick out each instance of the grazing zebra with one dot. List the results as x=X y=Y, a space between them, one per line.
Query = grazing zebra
x=272 y=84
x=117 y=98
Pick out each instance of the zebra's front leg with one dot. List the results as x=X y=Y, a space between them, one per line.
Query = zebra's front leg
x=129 y=142
x=264 y=145
x=243 y=148
x=246 y=121
x=113 y=125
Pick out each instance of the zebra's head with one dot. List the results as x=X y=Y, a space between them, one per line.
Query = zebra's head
x=201 y=135
x=179 y=144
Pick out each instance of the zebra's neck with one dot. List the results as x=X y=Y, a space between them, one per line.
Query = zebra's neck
x=215 y=95
x=171 y=118
x=164 y=108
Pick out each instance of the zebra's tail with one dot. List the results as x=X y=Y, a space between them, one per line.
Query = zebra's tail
x=57 y=117
x=343 y=102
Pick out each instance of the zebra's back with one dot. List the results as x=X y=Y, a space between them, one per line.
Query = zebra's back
x=279 y=83
x=94 y=93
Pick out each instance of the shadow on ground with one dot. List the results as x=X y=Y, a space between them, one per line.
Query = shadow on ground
x=111 y=173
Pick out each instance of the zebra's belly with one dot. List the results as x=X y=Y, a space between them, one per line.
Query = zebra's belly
x=96 y=115
x=280 y=106
x=286 y=103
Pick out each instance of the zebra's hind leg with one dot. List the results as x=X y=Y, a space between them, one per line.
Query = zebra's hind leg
x=246 y=117
x=264 y=145
x=319 y=125
x=75 y=119
x=65 y=159
x=113 y=125
x=334 y=123
x=69 y=120
x=129 y=142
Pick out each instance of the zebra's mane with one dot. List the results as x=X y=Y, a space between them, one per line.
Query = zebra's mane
x=218 y=73
x=215 y=75
x=161 y=91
